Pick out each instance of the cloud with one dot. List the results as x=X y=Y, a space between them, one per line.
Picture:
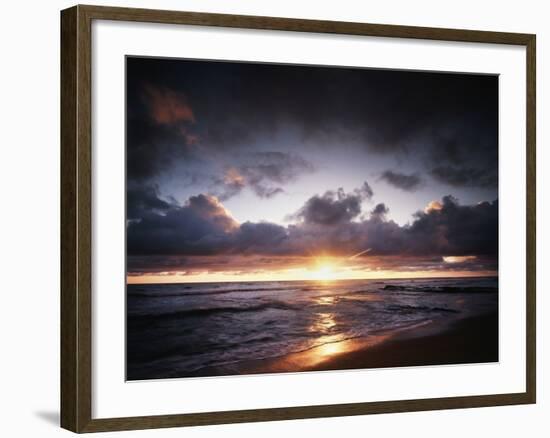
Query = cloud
x=452 y=230
x=334 y=207
x=365 y=192
x=266 y=192
x=185 y=265
x=407 y=182
x=469 y=156
x=194 y=134
x=440 y=119
x=379 y=212
x=161 y=131
x=203 y=226
x=455 y=229
x=152 y=149
x=144 y=200
x=249 y=264
x=232 y=183
x=263 y=172
x=433 y=206
x=167 y=107
x=461 y=176
x=260 y=238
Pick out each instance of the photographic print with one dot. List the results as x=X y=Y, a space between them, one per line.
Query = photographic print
x=288 y=218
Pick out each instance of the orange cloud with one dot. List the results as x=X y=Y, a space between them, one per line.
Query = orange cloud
x=433 y=206
x=167 y=106
x=232 y=177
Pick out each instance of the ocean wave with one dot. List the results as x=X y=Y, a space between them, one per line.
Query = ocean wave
x=206 y=311
x=187 y=293
x=440 y=289
x=407 y=309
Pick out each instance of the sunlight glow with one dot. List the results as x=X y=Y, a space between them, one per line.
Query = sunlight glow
x=330 y=349
x=318 y=269
x=301 y=274
x=458 y=259
x=323 y=273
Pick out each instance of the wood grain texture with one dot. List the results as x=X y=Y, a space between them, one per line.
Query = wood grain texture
x=531 y=130
x=69 y=327
x=84 y=219
x=76 y=222
x=76 y=186
x=276 y=414
x=300 y=25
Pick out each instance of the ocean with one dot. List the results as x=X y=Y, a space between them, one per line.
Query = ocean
x=183 y=330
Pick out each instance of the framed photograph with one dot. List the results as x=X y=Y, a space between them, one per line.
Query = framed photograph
x=269 y=218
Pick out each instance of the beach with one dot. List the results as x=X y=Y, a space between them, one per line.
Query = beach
x=221 y=329
x=468 y=340
x=471 y=340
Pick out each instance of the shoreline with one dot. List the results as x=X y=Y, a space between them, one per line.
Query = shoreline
x=469 y=340
x=466 y=340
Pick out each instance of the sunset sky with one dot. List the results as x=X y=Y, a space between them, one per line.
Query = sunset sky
x=242 y=172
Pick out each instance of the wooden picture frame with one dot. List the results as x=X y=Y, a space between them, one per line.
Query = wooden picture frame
x=76 y=218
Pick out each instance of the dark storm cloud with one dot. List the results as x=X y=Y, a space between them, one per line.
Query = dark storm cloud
x=143 y=200
x=440 y=119
x=468 y=158
x=330 y=209
x=155 y=264
x=329 y=225
x=259 y=238
x=449 y=229
x=160 y=130
x=456 y=229
x=182 y=265
x=334 y=207
x=464 y=176
x=402 y=181
x=263 y=172
x=201 y=226
x=152 y=149
x=380 y=211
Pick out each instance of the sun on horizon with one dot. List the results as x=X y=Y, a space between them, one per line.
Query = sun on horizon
x=320 y=269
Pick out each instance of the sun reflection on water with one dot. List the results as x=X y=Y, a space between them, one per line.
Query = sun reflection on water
x=324 y=301
x=323 y=323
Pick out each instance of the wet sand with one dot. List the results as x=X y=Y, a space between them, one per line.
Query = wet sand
x=468 y=340
x=471 y=340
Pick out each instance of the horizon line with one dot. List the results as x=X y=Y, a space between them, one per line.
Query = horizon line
x=318 y=281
